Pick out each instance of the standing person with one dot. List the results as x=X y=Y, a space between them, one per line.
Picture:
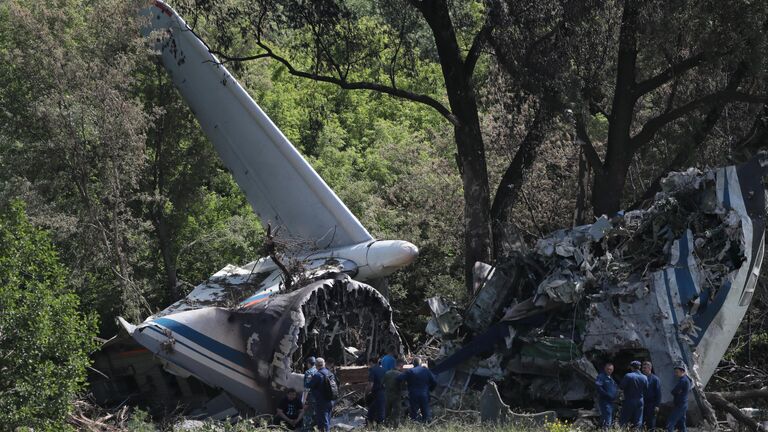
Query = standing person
x=634 y=385
x=290 y=410
x=680 y=400
x=388 y=361
x=376 y=388
x=652 y=396
x=393 y=392
x=607 y=389
x=309 y=403
x=420 y=382
x=318 y=389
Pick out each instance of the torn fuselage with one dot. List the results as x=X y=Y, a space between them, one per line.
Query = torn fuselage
x=669 y=283
x=254 y=352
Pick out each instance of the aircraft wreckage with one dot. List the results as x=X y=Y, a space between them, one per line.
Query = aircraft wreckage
x=669 y=283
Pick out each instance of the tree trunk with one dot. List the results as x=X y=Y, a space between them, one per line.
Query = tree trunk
x=477 y=227
x=469 y=139
x=608 y=186
x=506 y=239
x=582 y=178
x=169 y=260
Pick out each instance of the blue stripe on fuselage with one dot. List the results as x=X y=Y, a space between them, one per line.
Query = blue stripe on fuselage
x=685 y=285
x=237 y=357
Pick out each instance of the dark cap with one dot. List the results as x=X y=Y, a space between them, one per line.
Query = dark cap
x=311 y=360
x=681 y=366
x=635 y=364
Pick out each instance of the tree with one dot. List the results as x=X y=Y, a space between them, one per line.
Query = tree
x=44 y=340
x=663 y=75
x=73 y=140
x=385 y=47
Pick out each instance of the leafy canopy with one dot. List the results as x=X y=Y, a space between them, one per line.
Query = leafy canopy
x=44 y=340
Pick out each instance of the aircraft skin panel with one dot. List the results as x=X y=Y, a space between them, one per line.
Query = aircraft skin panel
x=283 y=189
x=734 y=184
x=207 y=366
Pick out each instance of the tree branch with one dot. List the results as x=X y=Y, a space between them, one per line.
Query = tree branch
x=717 y=400
x=671 y=72
x=343 y=83
x=721 y=97
x=477 y=47
x=582 y=138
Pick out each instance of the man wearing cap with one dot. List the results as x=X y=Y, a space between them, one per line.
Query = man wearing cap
x=652 y=396
x=680 y=400
x=634 y=385
x=606 y=394
x=309 y=403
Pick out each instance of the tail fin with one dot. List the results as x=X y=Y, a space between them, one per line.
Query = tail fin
x=280 y=185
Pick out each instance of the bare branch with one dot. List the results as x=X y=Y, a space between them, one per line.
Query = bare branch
x=477 y=47
x=721 y=97
x=673 y=71
x=358 y=85
x=582 y=138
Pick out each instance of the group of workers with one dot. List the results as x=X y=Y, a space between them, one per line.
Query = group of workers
x=313 y=408
x=386 y=378
x=386 y=381
x=642 y=397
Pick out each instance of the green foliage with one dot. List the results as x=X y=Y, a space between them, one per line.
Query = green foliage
x=44 y=339
x=391 y=163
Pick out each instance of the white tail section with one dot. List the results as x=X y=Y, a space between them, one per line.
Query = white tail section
x=280 y=185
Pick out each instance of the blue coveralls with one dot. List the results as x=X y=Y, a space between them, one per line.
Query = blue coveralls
x=376 y=409
x=309 y=411
x=680 y=398
x=606 y=394
x=420 y=381
x=323 y=405
x=633 y=384
x=651 y=400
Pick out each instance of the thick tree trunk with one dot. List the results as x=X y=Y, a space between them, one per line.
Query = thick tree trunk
x=469 y=139
x=477 y=227
x=608 y=186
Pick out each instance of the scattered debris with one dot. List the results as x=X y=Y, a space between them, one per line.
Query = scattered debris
x=669 y=283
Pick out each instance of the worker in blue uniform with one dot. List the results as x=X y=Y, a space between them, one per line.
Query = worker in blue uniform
x=680 y=400
x=652 y=396
x=420 y=382
x=607 y=389
x=376 y=388
x=323 y=401
x=309 y=403
x=634 y=385
x=388 y=361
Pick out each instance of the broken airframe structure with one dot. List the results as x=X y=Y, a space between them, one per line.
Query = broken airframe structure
x=247 y=329
x=669 y=283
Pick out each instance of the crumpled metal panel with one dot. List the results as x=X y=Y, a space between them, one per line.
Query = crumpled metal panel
x=287 y=322
x=672 y=280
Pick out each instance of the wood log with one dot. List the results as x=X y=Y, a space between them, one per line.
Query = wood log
x=718 y=401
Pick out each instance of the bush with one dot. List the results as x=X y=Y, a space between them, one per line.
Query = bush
x=44 y=340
